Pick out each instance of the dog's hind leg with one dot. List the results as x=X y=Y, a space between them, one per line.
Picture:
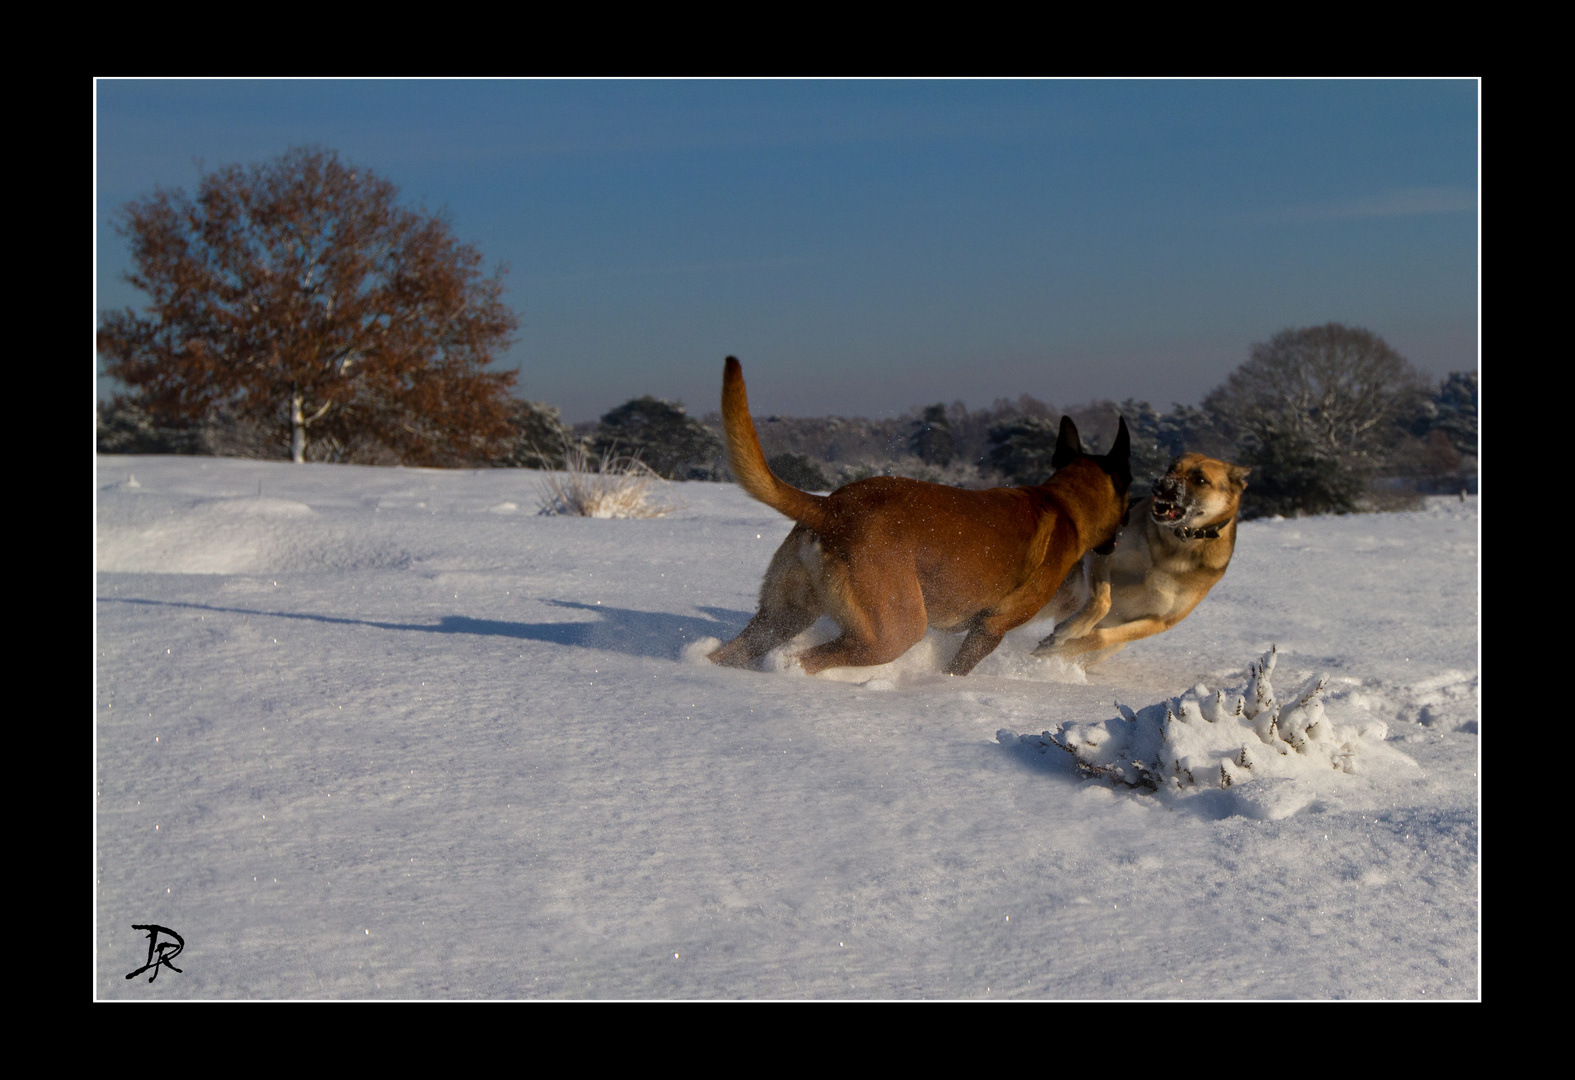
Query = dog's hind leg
x=852 y=650
x=881 y=617
x=765 y=631
x=789 y=604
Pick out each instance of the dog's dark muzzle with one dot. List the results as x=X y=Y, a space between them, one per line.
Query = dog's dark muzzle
x=1166 y=506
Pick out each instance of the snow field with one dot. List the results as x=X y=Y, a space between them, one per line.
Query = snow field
x=370 y=733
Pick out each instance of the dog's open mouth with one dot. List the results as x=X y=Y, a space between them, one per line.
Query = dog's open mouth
x=1166 y=511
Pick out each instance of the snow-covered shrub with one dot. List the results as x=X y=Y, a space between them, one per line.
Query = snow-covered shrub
x=800 y=471
x=608 y=488
x=671 y=443
x=1213 y=740
x=539 y=438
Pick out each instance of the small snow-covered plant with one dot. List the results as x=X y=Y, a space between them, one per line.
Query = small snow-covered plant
x=606 y=488
x=1213 y=739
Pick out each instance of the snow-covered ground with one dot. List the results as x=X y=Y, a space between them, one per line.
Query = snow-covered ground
x=387 y=733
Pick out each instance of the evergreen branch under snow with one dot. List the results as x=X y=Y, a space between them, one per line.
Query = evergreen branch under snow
x=1214 y=739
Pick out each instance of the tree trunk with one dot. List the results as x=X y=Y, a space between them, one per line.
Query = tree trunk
x=297 y=430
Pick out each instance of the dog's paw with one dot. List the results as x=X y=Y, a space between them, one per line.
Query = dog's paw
x=1058 y=647
x=1049 y=647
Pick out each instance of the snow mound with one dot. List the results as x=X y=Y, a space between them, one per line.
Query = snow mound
x=250 y=535
x=1273 y=756
x=699 y=651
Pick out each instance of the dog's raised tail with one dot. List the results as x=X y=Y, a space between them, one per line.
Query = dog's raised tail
x=748 y=461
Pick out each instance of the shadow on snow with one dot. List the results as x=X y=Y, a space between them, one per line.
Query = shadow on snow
x=637 y=633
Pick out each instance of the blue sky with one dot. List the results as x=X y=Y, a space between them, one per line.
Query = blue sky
x=867 y=246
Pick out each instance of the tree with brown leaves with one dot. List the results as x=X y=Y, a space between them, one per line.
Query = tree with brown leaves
x=296 y=294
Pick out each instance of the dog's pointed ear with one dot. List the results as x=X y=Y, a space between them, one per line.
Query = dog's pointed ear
x=1121 y=449
x=1238 y=475
x=1118 y=463
x=1068 y=447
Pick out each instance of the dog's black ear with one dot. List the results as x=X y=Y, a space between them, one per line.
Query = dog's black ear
x=1068 y=447
x=1118 y=463
x=1122 y=448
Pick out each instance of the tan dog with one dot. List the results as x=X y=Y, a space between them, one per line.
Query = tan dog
x=888 y=557
x=1159 y=570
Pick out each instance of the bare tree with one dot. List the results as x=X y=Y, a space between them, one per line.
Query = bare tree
x=296 y=293
x=1315 y=410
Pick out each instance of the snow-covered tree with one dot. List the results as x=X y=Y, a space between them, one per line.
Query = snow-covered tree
x=1452 y=409
x=932 y=440
x=1021 y=449
x=800 y=471
x=1315 y=411
x=539 y=438
x=661 y=434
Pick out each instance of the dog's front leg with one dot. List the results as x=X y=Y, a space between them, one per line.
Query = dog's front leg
x=1113 y=637
x=980 y=642
x=991 y=625
x=1096 y=568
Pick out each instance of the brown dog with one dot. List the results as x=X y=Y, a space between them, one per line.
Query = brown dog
x=1158 y=572
x=888 y=557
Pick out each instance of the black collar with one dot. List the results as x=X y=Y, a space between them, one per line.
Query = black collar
x=1210 y=532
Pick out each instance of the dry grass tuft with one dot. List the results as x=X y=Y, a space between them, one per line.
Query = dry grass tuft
x=609 y=488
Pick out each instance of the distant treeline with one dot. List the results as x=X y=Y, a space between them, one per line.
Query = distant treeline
x=1428 y=446
x=1398 y=438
